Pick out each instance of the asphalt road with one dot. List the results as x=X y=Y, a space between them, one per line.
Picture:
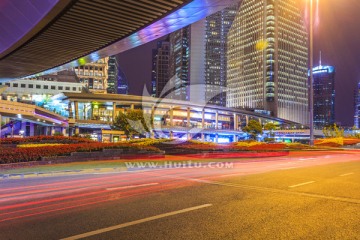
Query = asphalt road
x=301 y=196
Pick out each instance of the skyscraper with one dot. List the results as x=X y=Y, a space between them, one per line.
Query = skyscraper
x=324 y=96
x=217 y=28
x=268 y=59
x=357 y=106
x=122 y=83
x=94 y=75
x=112 y=74
x=160 y=67
x=186 y=65
x=179 y=65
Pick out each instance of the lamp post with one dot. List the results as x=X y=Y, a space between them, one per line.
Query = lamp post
x=311 y=62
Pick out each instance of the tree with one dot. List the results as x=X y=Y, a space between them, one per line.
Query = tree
x=333 y=131
x=133 y=122
x=254 y=128
x=270 y=126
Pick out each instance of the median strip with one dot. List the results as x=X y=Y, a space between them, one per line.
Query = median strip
x=346 y=174
x=132 y=186
x=123 y=225
x=301 y=184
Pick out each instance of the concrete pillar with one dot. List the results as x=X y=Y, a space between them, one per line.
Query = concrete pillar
x=247 y=120
x=63 y=131
x=52 y=130
x=132 y=106
x=188 y=117
x=171 y=135
x=71 y=114
x=235 y=138
x=236 y=124
x=77 y=130
x=76 y=109
x=260 y=121
x=32 y=130
x=171 y=113
x=216 y=120
x=114 y=112
x=202 y=137
x=152 y=116
x=216 y=138
x=189 y=136
x=203 y=119
x=152 y=134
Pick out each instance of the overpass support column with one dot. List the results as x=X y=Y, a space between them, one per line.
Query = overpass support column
x=236 y=124
x=52 y=131
x=235 y=138
x=203 y=119
x=202 y=137
x=0 y=125
x=63 y=131
x=217 y=138
x=217 y=120
x=132 y=106
x=76 y=103
x=114 y=112
x=77 y=130
x=171 y=135
x=247 y=120
x=188 y=118
x=171 y=112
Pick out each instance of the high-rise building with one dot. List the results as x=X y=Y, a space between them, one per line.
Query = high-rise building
x=160 y=67
x=112 y=80
x=324 y=96
x=268 y=59
x=122 y=83
x=94 y=75
x=217 y=28
x=357 y=106
x=187 y=63
x=179 y=65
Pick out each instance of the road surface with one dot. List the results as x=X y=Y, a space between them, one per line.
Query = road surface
x=301 y=196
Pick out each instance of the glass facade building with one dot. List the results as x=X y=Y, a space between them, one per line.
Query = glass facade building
x=324 y=96
x=217 y=28
x=268 y=59
x=160 y=67
x=112 y=75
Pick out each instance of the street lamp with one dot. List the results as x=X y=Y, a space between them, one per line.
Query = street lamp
x=311 y=62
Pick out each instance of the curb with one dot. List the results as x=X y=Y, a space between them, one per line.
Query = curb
x=60 y=173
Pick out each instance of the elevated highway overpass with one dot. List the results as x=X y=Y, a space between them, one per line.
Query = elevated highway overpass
x=54 y=35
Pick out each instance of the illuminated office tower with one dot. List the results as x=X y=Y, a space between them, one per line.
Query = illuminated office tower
x=94 y=75
x=324 y=96
x=160 y=67
x=122 y=83
x=217 y=28
x=112 y=75
x=186 y=65
x=268 y=59
x=357 y=106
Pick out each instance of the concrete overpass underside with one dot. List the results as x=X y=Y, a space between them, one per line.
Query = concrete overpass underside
x=57 y=34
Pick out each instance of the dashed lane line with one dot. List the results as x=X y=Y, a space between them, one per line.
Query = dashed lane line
x=124 y=225
x=301 y=184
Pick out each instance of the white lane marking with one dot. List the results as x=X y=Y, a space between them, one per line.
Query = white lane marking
x=123 y=225
x=132 y=186
x=346 y=174
x=301 y=184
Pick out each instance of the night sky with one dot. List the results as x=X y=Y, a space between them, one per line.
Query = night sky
x=337 y=36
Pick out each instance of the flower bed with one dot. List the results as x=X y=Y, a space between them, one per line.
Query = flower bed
x=14 y=155
x=329 y=142
x=45 y=139
x=33 y=145
x=351 y=141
